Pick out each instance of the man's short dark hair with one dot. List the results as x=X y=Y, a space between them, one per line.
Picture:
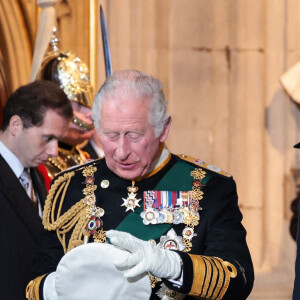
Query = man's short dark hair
x=33 y=100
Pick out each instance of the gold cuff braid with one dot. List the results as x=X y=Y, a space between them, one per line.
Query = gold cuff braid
x=211 y=277
x=199 y=264
x=33 y=288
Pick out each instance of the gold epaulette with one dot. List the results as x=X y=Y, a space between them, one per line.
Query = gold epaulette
x=203 y=164
x=79 y=167
x=211 y=277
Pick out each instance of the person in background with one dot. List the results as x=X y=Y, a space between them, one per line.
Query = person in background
x=35 y=117
x=174 y=218
x=296 y=291
x=294 y=219
x=71 y=74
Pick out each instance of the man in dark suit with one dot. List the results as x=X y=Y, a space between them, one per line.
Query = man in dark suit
x=35 y=117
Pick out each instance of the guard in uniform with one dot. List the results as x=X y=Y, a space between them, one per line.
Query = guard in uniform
x=71 y=74
x=179 y=219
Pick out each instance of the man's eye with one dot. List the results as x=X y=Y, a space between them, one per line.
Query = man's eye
x=112 y=136
x=47 y=139
x=134 y=136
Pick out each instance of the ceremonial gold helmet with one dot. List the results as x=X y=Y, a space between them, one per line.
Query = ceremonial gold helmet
x=71 y=74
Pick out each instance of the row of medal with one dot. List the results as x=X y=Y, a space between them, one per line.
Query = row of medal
x=173 y=207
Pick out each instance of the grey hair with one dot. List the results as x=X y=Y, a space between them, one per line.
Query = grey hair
x=135 y=83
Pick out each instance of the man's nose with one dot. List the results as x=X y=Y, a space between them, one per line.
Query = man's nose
x=123 y=149
x=52 y=148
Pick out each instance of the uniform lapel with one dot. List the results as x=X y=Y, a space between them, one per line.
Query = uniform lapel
x=39 y=185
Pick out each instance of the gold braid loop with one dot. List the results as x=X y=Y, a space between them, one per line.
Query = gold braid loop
x=49 y=221
x=79 y=230
x=76 y=218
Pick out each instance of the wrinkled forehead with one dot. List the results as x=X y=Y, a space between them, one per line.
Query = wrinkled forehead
x=125 y=113
x=123 y=100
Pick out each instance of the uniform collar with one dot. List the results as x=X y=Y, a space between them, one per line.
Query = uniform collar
x=164 y=156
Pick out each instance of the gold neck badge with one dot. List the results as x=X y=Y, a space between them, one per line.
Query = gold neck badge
x=131 y=202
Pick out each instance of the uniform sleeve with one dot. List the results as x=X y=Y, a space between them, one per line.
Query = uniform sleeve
x=46 y=261
x=222 y=268
x=50 y=248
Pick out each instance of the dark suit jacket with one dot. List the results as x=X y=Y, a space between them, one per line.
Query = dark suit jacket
x=20 y=228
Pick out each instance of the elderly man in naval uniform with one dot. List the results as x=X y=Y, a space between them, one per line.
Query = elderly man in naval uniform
x=169 y=221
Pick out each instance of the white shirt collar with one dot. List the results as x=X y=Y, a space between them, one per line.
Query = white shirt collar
x=12 y=160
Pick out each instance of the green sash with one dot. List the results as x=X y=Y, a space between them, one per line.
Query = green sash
x=172 y=181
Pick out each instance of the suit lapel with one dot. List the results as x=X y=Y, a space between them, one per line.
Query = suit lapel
x=15 y=194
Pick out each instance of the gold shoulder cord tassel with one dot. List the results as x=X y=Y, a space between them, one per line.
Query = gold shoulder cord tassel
x=76 y=218
x=62 y=223
x=33 y=288
x=211 y=277
x=50 y=203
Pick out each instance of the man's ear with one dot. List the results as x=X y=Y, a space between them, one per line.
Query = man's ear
x=166 y=130
x=15 y=124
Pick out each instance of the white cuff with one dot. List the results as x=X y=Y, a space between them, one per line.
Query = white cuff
x=49 y=291
x=177 y=282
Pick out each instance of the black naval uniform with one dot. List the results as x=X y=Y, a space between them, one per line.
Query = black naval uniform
x=219 y=234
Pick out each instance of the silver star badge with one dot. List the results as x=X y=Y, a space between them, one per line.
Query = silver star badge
x=131 y=202
x=171 y=241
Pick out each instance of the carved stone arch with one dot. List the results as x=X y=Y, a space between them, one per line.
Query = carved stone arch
x=14 y=44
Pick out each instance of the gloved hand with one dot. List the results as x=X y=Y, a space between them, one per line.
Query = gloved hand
x=145 y=257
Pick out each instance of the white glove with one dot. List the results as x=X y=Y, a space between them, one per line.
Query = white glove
x=145 y=257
